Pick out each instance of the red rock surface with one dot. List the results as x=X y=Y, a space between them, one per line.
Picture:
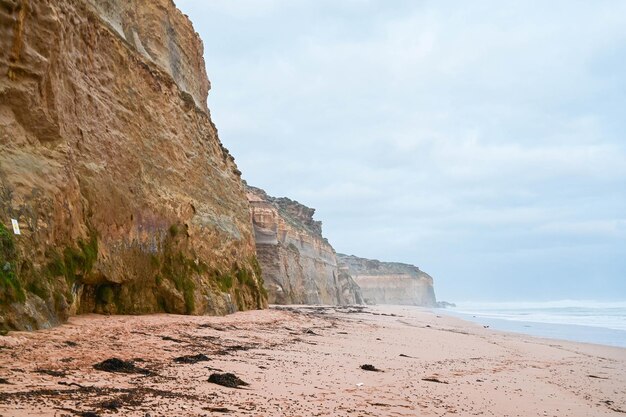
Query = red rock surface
x=127 y=200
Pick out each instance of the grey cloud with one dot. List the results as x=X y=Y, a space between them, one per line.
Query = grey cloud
x=482 y=141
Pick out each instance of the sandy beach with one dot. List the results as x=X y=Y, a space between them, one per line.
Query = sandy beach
x=305 y=361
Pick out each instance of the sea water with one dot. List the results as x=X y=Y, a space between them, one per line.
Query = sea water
x=581 y=321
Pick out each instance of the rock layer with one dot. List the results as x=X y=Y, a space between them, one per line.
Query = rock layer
x=389 y=282
x=299 y=265
x=127 y=200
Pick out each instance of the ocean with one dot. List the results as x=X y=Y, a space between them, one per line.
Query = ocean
x=601 y=323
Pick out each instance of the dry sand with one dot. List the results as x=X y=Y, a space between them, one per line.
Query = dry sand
x=305 y=361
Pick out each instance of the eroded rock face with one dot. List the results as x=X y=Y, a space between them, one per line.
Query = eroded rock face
x=389 y=282
x=299 y=265
x=127 y=200
x=163 y=36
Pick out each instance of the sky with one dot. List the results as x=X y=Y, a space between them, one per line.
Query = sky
x=483 y=141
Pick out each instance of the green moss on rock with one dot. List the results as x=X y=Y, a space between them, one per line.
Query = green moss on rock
x=249 y=290
x=171 y=279
x=74 y=263
x=180 y=270
x=224 y=281
x=39 y=288
x=11 y=289
x=78 y=262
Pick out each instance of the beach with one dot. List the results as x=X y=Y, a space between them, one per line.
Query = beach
x=304 y=361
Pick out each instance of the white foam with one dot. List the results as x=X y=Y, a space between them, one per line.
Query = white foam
x=518 y=305
x=608 y=315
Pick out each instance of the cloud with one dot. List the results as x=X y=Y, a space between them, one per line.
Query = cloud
x=483 y=141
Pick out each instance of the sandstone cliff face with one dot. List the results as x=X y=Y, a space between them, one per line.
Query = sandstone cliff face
x=389 y=282
x=299 y=265
x=127 y=201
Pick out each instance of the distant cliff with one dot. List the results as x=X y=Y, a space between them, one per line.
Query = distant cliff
x=110 y=162
x=389 y=282
x=299 y=265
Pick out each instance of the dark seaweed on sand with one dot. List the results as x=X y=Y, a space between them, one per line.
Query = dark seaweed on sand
x=88 y=414
x=121 y=366
x=437 y=380
x=227 y=380
x=368 y=367
x=58 y=374
x=192 y=358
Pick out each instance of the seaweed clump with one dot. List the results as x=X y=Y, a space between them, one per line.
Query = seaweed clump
x=120 y=366
x=227 y=380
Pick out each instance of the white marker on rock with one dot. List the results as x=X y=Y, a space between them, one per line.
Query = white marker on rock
x=16 y=227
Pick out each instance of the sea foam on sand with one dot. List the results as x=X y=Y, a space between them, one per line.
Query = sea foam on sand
x=582 y=321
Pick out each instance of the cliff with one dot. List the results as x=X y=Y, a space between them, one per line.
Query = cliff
x=299 y=265
x=389 y=282
x=127 y=201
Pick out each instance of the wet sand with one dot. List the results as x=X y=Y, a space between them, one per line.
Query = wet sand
x=305 y=361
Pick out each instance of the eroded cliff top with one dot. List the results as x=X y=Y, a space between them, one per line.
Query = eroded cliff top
x=360 y=266
x=296 y=214
x=164 y=36
x=389 y=282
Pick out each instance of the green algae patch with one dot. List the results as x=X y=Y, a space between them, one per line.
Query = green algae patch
x=11 y=289
x=224 y=281
x=79 y=261
x=180 y=270
x=171 y=279
x=195 y=280
x=40 y=286
x=249 y=291
x=259 y=274
x=73 y=263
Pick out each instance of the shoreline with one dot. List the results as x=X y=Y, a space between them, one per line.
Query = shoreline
x=306 y=360
x=595 y=335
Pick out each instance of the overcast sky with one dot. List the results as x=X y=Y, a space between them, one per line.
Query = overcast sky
x=483 y=141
